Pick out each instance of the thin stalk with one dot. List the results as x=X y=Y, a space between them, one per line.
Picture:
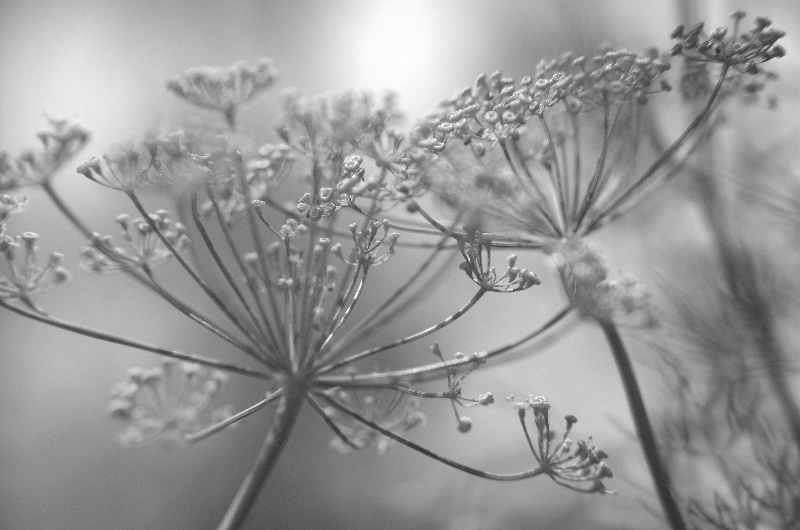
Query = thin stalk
x=147 y=281
x=189 y=270
x=698 y=120
x=410 y=338
x=116 y=339
x=559 y=176
x=502 y=477
x=414 y=298
x=271 y=448
x=227 y=422
x=260 y=251
x=226 y=273
x=368 y=319
x=344 y=311
x=332 y=424
x=251 y=283
x=65 y=210
x=644 y=428
x=435 y=370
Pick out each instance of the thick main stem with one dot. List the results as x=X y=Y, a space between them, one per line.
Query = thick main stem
x=644 y=428
x=271 y=448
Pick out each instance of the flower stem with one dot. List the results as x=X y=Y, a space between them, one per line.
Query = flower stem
x=644 y=429
x=271 y=448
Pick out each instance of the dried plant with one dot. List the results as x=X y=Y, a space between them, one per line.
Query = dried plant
x=295 y=229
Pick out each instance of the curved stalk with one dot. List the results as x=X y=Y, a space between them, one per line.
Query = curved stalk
x=644 y=428
x=410 y=338
x=115 y=339
x=239 y=416
x=501 y=477
x=441 y=369
x=271 y=448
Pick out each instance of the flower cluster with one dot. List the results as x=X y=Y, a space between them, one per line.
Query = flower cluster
x=166 y=403
x=577 y=465
x=10 y=204
x=224 y=89
x=372 y=244
x=742 y=52
x=454 y=392
x=226 y=169
x=144 y=248
x=739 y=49
x=496 y=107
x=25 y=274
x=59 y=145
x=126 y=168
x=478 y=266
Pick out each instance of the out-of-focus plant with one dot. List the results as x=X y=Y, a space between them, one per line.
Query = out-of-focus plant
x=536 y=163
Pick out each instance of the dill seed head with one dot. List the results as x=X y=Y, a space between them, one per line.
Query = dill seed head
x=577 y=465
x=479 y=268
x=59 y=145
x=10 y=204
x=224 y=89
x=166 y=403
x=143 y=247
x=25 y=273
x=126 y=168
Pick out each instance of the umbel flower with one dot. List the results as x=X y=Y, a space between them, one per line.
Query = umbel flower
x=557 y=154
x=59 y=145
x=543 y=161
x=224 y=89
x=293 y=232
x=284 y=241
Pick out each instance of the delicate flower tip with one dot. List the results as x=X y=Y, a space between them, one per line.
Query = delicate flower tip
x=464 y=424
x=26 y=275
x=59 y=145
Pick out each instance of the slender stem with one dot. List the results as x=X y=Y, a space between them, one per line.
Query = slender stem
x=226 y=273
x=361 y=331
x=271 y=448
x=189 y=270
x=433 y=371
x=502 y=477
x=332 y=424
x=148 y=280
x=249 y=278
x=699 y=120
x=362 y=326
x=410 y=338
x=644 y=428
x=115 y=339
x=230 y=420
x=62 y=206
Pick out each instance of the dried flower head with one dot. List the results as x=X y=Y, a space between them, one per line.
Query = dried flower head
x=741 y=52
x=495 y=108
x=126 y=168
x=25 y=275
x=144 y=248
x=224 y=89
x=10 y=204
x=577 y=465
x=59 y=145
x=478 y=266
x=166 y=403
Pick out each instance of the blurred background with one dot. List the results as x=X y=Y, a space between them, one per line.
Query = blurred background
x=104 y=64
